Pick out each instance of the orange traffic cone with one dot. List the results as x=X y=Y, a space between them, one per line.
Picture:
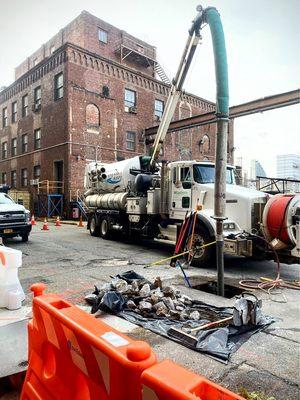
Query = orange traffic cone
x=80 y=223
x=33 y=221
x=57 y=222
x=45 y=225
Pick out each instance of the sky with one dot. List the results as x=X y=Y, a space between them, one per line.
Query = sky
x=262 y=39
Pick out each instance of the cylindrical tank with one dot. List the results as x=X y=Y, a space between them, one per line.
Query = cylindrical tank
x=114 y=177
x=107 y=201
x=278 y=218
x=143 y=182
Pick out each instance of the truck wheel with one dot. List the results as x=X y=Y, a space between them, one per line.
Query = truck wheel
x=94 y=226
x=202 y=256
x=105 y=231
x=25 y=237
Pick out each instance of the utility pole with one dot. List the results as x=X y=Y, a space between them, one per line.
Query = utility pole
x=220 y=198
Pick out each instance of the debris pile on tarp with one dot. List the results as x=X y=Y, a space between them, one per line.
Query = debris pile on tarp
x=159 y=307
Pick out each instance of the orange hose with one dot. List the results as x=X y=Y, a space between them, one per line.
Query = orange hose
x=192 y=235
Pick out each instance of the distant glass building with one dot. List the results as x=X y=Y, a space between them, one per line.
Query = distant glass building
x=288 y=166
x=256 y=170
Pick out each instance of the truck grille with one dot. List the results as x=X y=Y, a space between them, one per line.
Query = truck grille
x=11 y=218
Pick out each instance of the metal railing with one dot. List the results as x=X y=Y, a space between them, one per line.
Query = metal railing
x=277 y=185
x=135 y=47
x=50 y=187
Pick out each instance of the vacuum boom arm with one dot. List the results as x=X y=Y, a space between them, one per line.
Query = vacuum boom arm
x=177 y=84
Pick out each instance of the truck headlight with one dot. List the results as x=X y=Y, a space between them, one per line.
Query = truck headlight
x=27 y=216
x=229 y=226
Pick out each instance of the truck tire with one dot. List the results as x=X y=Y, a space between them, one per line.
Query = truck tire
x=25 y=237
x=94 y=226
x=105 y=231
x=206 y=256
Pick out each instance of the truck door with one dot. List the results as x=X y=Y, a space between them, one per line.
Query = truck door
x=181 y=191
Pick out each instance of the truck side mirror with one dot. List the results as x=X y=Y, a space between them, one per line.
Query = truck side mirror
x=186 y=184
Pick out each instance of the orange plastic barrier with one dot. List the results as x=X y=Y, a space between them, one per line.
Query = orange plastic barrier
x=167 y=380
x=73 y=356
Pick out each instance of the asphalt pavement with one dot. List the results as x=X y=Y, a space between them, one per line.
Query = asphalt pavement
x=70 y=262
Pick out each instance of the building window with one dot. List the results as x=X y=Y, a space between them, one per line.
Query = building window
x=4 y=150
x=4 y=178
x=130 y=98
x=59 y=86
x=37 y=139
x=24 y=177
x=24 y=143
x=35 y=62
x=25 y=105
x=13 y=179
x=37 y=98
x=52 y=49
x=102 y=35
x=14 y=112
x=4 y=117
x=158 y=108
x=130 y=141
x=13 y=147
x=36 y=172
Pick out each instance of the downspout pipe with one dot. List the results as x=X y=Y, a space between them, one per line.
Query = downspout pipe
x=212 y=18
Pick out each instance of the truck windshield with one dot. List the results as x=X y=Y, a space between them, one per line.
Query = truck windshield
x=5 y=199
x=206 y=174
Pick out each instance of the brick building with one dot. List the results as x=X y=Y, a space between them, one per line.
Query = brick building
x=88 y=93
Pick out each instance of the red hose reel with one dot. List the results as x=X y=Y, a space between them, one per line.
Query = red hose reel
x=277 y=218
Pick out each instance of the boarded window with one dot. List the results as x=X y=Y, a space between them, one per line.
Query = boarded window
x=92 y=116
x=205 y=144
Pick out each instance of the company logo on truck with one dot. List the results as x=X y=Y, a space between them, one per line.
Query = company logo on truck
x=114 y=178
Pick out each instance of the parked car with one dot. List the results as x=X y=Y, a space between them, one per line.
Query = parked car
x=14 y=218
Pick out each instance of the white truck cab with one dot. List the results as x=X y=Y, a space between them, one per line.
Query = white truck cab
x=191 y=184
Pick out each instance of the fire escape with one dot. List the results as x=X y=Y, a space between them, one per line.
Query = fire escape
x=140 y=54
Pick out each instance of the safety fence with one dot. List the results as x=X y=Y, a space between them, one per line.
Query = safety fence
x=74 y=356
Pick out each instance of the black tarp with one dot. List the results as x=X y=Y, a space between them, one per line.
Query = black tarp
x=219 y=343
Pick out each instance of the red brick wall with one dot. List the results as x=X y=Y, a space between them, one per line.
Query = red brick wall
x=83 y=32
x=51 y=119
x=86 y=77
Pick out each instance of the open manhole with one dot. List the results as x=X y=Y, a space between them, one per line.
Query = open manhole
x=211 y=287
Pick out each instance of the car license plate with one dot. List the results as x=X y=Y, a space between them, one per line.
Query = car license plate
x=8 y=231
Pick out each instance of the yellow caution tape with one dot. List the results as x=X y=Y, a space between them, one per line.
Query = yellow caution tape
x=180 y=254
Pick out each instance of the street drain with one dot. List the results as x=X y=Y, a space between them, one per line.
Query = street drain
x=211 y=287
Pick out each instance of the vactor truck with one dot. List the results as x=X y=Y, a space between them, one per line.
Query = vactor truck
x=143 y=197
